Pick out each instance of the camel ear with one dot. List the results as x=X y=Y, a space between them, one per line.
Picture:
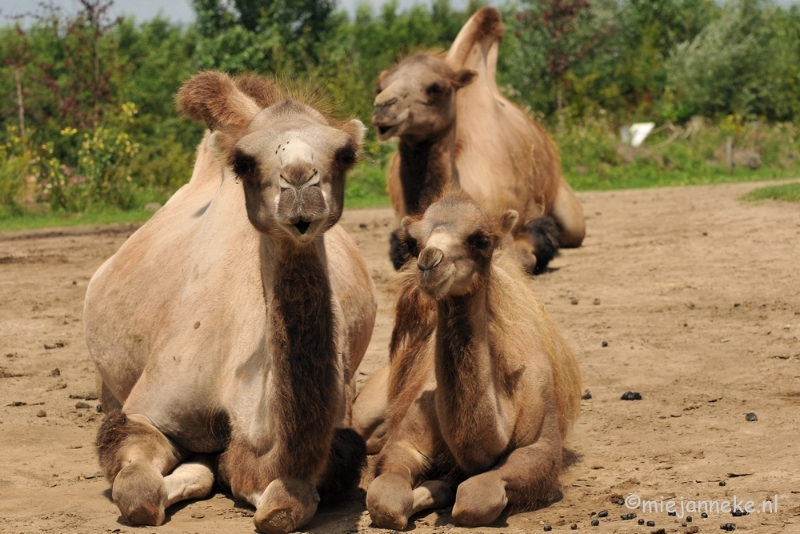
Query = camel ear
x=508 y=220
x=214 y=98
x=356 y=129
x=464 y=77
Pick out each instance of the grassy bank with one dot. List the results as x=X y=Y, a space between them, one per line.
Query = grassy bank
x=34 y=221
x=785 y=192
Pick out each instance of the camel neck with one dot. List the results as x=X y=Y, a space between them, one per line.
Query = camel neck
x=303 y=351
x=427 y=167
x=470 y=412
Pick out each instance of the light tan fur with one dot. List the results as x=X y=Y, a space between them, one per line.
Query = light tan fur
x=482 y=389
x=502 y=158
x=232 y=322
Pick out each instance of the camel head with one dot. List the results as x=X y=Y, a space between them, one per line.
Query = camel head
x=454 y=242
x=290 y=157
x=417 y=99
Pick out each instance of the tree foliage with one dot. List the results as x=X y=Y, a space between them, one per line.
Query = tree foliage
x=626 y=59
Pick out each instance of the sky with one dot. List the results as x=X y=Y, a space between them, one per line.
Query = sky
x=181 y=11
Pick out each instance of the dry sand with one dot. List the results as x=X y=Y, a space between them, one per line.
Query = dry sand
x=696 y=293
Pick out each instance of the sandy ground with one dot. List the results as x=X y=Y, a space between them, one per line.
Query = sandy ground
x=696 y=293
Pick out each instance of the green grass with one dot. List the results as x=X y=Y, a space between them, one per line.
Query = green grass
x=33 y=221
x=785 y=192
x=642 y=176
x=366 y=188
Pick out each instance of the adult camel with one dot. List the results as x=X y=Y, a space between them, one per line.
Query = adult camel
x=456 y=128
x=482 y=388
x=229 y=326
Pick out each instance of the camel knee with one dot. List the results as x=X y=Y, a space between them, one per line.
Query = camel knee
x=286 y=505
x=140 y=494
x=122 y=439
x=537 y=242
x=390 y=501
x=347 y=458
x=480 y=500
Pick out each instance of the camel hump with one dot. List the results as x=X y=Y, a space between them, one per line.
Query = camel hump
x=477 y=44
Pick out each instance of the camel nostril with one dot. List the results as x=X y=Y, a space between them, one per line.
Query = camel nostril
x=302 y=226
x=429 y=258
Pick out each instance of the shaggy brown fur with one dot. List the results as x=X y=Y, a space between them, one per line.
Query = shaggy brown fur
x=303 y=333
x=480 y=379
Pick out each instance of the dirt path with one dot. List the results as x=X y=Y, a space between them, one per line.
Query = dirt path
x=696 y=293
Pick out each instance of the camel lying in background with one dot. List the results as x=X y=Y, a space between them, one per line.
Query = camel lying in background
x=481 y=388
x=455 y=127
x=232 y=323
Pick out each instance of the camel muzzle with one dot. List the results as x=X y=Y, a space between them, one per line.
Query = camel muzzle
x=429 y=258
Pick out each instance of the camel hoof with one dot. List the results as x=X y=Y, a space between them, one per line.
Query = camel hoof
x=479 y=501
x=140 y=494
x=390 y=501
x=286 y=505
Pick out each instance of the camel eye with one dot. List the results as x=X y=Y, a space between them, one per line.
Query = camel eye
x=244 y=165
x=346 y=156
x=435 y=90
x=479 y=241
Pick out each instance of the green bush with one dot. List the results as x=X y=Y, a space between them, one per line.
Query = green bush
x=16 y=166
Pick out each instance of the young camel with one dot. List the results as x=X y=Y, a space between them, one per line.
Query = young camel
x=482 y=388
x=456 y=128
x=230 y=325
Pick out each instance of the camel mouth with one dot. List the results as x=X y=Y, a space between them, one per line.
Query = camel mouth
x=302 y=227
x=436 y=283
x=386 y=132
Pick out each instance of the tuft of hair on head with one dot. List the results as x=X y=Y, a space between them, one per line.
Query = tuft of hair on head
x=213 y=97
x=265 y=92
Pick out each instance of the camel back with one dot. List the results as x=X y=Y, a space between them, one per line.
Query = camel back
x=516 y=313
x=502 y=156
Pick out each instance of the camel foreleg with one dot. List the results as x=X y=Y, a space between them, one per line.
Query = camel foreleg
x=284 y=502
x=135 y=456
x=392 y=497
x=370 y=409
x=537 y=243
x=526 y=478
